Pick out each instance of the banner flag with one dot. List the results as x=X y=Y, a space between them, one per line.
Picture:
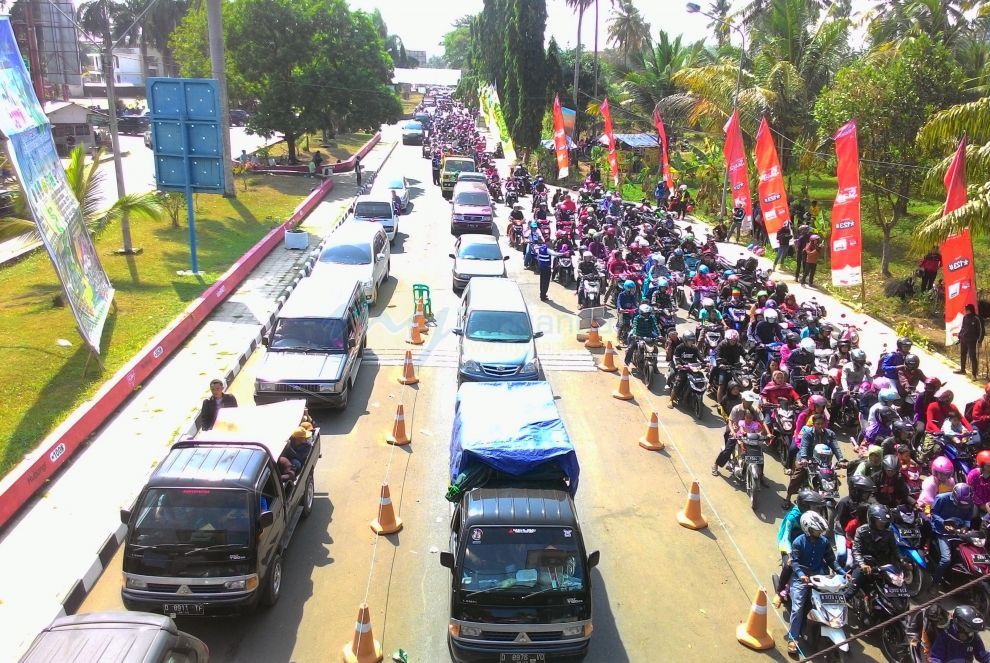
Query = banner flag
x=771 y=189
x=847 y=230
x=559 y=140
x=735 y=159
x=664 y=160
x=613 y=160
x=570 y=118
x=959 y=273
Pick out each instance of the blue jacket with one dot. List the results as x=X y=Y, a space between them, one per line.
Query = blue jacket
x=789 y=530
x=945 y=509
x=891 y=363
x=948 y=648
x=626 y=300
x=812 y=556
x=809 y=440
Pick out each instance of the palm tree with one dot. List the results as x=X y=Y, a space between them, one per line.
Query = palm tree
x=719 y=26
x=627 y=30
x=650 y=76
x=941 y=19
x=579 y=6
x=159 y=24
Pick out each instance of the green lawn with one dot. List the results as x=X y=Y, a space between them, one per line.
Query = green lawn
x=341 y=147
x=409 y=104
x=42 y=382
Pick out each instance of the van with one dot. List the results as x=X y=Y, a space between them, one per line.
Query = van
x=496 y=334
x=449 y=169
x=316 y=345
x=471 y=209
x=358 y=251
x=377 y=208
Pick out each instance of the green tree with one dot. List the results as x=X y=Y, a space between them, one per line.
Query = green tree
x=554 y=71
x=526 y=61
x=628 y=30
x=580 y=6
x=650 y=77
x=457 y=43
x=719 y=25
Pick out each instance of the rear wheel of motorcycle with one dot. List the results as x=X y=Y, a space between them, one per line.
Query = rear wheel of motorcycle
x=979 y=597
x=649 y=370
x=893 y=642
x=698 y=406
x=752 y=488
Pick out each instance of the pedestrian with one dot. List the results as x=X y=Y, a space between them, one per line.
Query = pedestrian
x=738 y=214
x=544 y=261
x=759 y=227
x=971 y=333
x=212 y=405
x=243 y=158
x=660 y=192
x=435 y=163
x=812 y=253
x=318 y=159
x=929 y=267
x=784 y=236
x=357 y=170
x=800 y=242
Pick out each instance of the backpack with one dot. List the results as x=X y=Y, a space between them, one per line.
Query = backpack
x=880 y=362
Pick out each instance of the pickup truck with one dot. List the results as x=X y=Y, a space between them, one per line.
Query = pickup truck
x=208 y=532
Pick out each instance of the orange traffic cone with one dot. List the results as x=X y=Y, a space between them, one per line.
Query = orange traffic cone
x=753 y=633
x=386 y=522
x=408 y=372
x=398 y=436
x=623 y=394
x=651 y=441
x=363 y=648
x=594 y=339
x=419 y=318
x=414 y=337
x=608 y=360
x=691 y=516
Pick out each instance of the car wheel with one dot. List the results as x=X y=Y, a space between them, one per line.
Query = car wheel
x=273 y=583
x=364 y=344
x=308 y=497
x=345 y=396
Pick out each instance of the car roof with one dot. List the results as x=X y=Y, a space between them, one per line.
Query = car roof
x=313 y=299
x=490 y=293
x=109 y=637
x=519 y=506
x=396 y=183
x=373 y=198
x=353 y=232
x=473 y=238
x=470 y=185
x=471 y=176
x=221 y=465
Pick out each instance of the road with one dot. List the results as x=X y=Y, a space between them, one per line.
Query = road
x=662 y=592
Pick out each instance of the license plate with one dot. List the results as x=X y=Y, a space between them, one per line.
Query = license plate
x=980 y=558
x=527 y=657
x=182 y=608
x=755 y=459
x=833 y=599
x=895 y=591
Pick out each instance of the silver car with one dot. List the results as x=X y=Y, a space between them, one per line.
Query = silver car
x=476 y=255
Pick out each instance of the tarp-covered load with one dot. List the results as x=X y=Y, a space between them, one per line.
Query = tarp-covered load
x=511 y=428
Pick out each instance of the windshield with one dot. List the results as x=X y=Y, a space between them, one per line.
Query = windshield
x=485 y=251
x=499 y=326
x=196 y=517
x=347 y=254
x=396 y=184
x=523 y=561
x=302 y=334
x=473 y=198
x=373 y=210
x=414 y=126
x=458 y=166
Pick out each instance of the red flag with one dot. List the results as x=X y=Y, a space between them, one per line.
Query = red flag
x=847 y=231
x=957 y=252
x=664 y=161
x=773 y=194
x=735 y=158
x=560 y=140
x=613 y=161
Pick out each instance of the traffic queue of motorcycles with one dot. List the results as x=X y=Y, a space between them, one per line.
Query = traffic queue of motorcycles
x=917 y=511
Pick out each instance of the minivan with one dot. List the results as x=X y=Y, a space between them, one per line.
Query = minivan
x=315 y=346
x=471 y=209
x=359 y=251
x=496 y=334
x=378 y=208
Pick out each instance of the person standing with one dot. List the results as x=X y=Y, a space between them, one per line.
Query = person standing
x=211 y=406
x=436 y=167
x=971 y=335
x=812 y=253
x=544 y=261
x=800 y=242
x=784 y=236
x=929 y=267
x=738 y=214
x=357 y=170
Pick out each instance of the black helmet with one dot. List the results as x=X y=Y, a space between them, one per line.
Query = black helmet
x=809 y=499
x=886 y=414
x=792 y=337
x=968 y=620
x=861 y=487
x=904 y=344
x=902 y=430
x=688 y=336
x=879 y=516
x=912 y=361
x=891 y=464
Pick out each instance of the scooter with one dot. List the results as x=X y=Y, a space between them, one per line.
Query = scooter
x=694 y=393
x=782 y=418
x=828 y=613
x=563 y=271
x=590 y=292
x=748 y=468
x=970 y=561
x=645 y=359
x=906 y=526
x=888 y=598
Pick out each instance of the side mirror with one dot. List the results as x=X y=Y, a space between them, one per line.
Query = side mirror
x=593 y=559
x=350 y=210
x=538 y=334
x=457 y=331
x=505 y=257
x=266 y=519
x=265 y=340
x=452 y=255
x=351 y=342
x=125 y=516
x=447 y=560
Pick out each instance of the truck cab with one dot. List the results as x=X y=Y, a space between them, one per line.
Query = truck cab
x=450 y=168
x=208 y=532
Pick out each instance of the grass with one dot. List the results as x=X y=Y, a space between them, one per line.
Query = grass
x=409 y=103
x=341 y=147
x=41 y=382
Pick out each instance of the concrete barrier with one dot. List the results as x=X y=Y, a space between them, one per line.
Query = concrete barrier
x=30 y=476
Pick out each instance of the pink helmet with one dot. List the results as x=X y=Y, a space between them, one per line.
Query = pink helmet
x=882 y=383
x=942 y=465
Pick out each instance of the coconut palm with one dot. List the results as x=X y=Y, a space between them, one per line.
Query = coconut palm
x=942 y=19
x=649 y=78
x=580 y=6
x=719 y=26
x=628 y=31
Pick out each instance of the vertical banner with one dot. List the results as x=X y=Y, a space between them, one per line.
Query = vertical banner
x=847 y=230
x=664 y=159
x=570 y=118
x=957 y=252
x=735 y=161
x=613 y=160
x=771 y=189
x=560 y=140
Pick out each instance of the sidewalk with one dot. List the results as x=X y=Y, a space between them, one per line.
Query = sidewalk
x=55 y=550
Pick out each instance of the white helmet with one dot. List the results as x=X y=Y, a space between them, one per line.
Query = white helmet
x=808 y=345
x=645 y=309
x=823 y=454
x=770 y=315
x=812 y=520
x=707 y=301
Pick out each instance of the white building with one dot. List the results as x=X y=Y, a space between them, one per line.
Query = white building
x=128 y=68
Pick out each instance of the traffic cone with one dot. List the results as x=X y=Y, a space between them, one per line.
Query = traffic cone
x=419 y=318
x=651 y=441
x=414 y=337
x=363 y=648
x=408 y=372
x=398 y=436
x=386 y=522
x=623 y=394
x=594 y=339
x=691 y=516
x=608 y=360
x=753 y=633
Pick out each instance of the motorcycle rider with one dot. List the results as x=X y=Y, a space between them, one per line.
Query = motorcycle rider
x=872 y=463
x=617 y=267
x=850 y=511
x=811 y=555
x=768 y=330
x=789 y=530
x=644 y=326
x=909 y=375
x=662 y=299
x=791 y=341
x=810 y=438
x=738 y=428
x=701 y=284
x=728 y=353
x=534 y=238
x=978 y=479
x=981 y=414
x=935 y=416
x=950 y=511
x=801 y=362
x=960 y=641
x=676 y=261
x=939 y=482
x=895 y=359
x=625 y=301
x=778 y=388
x=686 y=353
x=892 y=490
x=874 y=545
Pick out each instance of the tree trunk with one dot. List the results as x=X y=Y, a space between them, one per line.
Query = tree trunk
x=885 y=252
x=290 y=141
x=594 y=66
x=577 y=62
x=901 y=203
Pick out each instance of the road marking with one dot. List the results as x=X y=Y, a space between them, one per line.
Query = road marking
x=574 y=361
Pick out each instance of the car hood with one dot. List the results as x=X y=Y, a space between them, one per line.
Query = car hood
x=472 y=209
x=497 y=353
x=280 y=366
x=470 y=267
x=363 y=273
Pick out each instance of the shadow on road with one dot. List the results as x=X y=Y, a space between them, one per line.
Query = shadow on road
x=606 y=644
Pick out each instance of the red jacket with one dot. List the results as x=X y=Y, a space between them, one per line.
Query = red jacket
x=981 y=412
x=936 y=414
x=772 y=392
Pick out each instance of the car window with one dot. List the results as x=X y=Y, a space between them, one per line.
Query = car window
x=379 y=244
x=480 y=251
x=452 y=166
x=499 y=326
x=371 y=209
x=473 y=198
x=269 y=500
x=396 y=184
x=347 y=254
x=309 y=334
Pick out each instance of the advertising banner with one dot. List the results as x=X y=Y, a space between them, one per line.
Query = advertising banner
x=570 y=119
x=847 y=230
x=664 y=160
x=53 y=207
x=735 y=159
x=771 y=189
x=957 y=252
x=613 y=160
x=559 y=140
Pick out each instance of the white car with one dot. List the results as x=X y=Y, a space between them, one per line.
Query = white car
x=401 y=188
x=476 y=255
x=377 y=208
x=358 y=251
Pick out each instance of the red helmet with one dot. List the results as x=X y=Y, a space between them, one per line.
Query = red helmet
x=610 y=231
x=983 y=458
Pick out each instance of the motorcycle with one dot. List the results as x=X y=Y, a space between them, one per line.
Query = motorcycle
x=824 y=479
x=710 y=336
x=970 y=561
x=828 y=613
x=782 y=418
x=888 y=598
x=563 y=271
x=906 y=526
x=748 y=467
x=590 y=292
x=511 y=194
x=625 y=322
x=961 y=451
x=645 y=359
x=694 y=391
x=516 y=235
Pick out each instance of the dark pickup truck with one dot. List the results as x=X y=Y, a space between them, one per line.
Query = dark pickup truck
x=209 y=531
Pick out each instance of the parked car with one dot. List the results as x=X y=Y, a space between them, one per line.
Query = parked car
x=401 y=187
x=132 y=124
x=238 y=117
x=358 y=251
x=476 y=255
x=377 y=208
x=412 y=133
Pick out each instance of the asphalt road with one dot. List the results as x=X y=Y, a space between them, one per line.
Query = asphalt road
x=661 y=592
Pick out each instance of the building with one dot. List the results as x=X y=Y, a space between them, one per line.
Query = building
x=418 y=56
x=129 y=68
x=72 y=125
x=54 y=51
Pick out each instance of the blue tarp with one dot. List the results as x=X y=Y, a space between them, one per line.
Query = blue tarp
x=634 y=141
x=512 y=427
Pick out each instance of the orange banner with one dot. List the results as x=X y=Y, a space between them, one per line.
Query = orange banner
x=560 y=140
x=735 y=159
x=664 y=160
x=771 y=189
x=959 y=273
x=847 y=231
x=613 y=160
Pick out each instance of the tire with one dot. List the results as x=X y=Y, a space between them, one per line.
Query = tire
x=308 y=497
x=273 y=583
x=345 y=396
x=649 y=371
x=893 y=643
x=978 y=596
x=698 y=405
x=918 y=580
x=752 y=488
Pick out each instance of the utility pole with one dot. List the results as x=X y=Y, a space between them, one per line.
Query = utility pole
x=214 y=22
x=118 y=165
x=34 y=57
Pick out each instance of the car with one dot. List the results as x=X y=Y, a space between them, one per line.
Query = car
x=132 y=124
x=377 y=208
x=238 y=117
x=496 y=337
x=472 y=177
x=450 y=168
x=401 y=187
x=147 y=139
x=357 y=250
x=476 y=255
x=412 y=133
x=471 y=209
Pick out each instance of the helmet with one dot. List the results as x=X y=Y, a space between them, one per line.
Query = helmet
x=844 y=343
x=734 y=278
x=731 y=385
x=817 y=401
x=592 y=233
x=658 y=258
x=792 y=337
x=861 y=487
x=823 y=454
x=809 y=499
x=888 y=395
x=731 y=335
x=610 y=231
x=645 y=309
x=912 y=361
x=886 y=414
x=807 y=345
x=587 y=254
x=983 y=458
x=634 y=246
x=874 y=450
x=678 y=252
x=962 y=494
x=661 y=282
x=932 y=384
x=945 y=396
x=707 y=301
x=532 y=224
x=703 y=269
x=968 y=620
x=770 y=315
x=902 y=427
x=891 y=464
x=942 y=466
x=858 y=356
x=736 y=292
x=727 y=273
x=812 y=521
x=762 y=293
x=904 y=344
x=879 y=516
x=688 y=336
x=629 y=285
x=771 y=304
